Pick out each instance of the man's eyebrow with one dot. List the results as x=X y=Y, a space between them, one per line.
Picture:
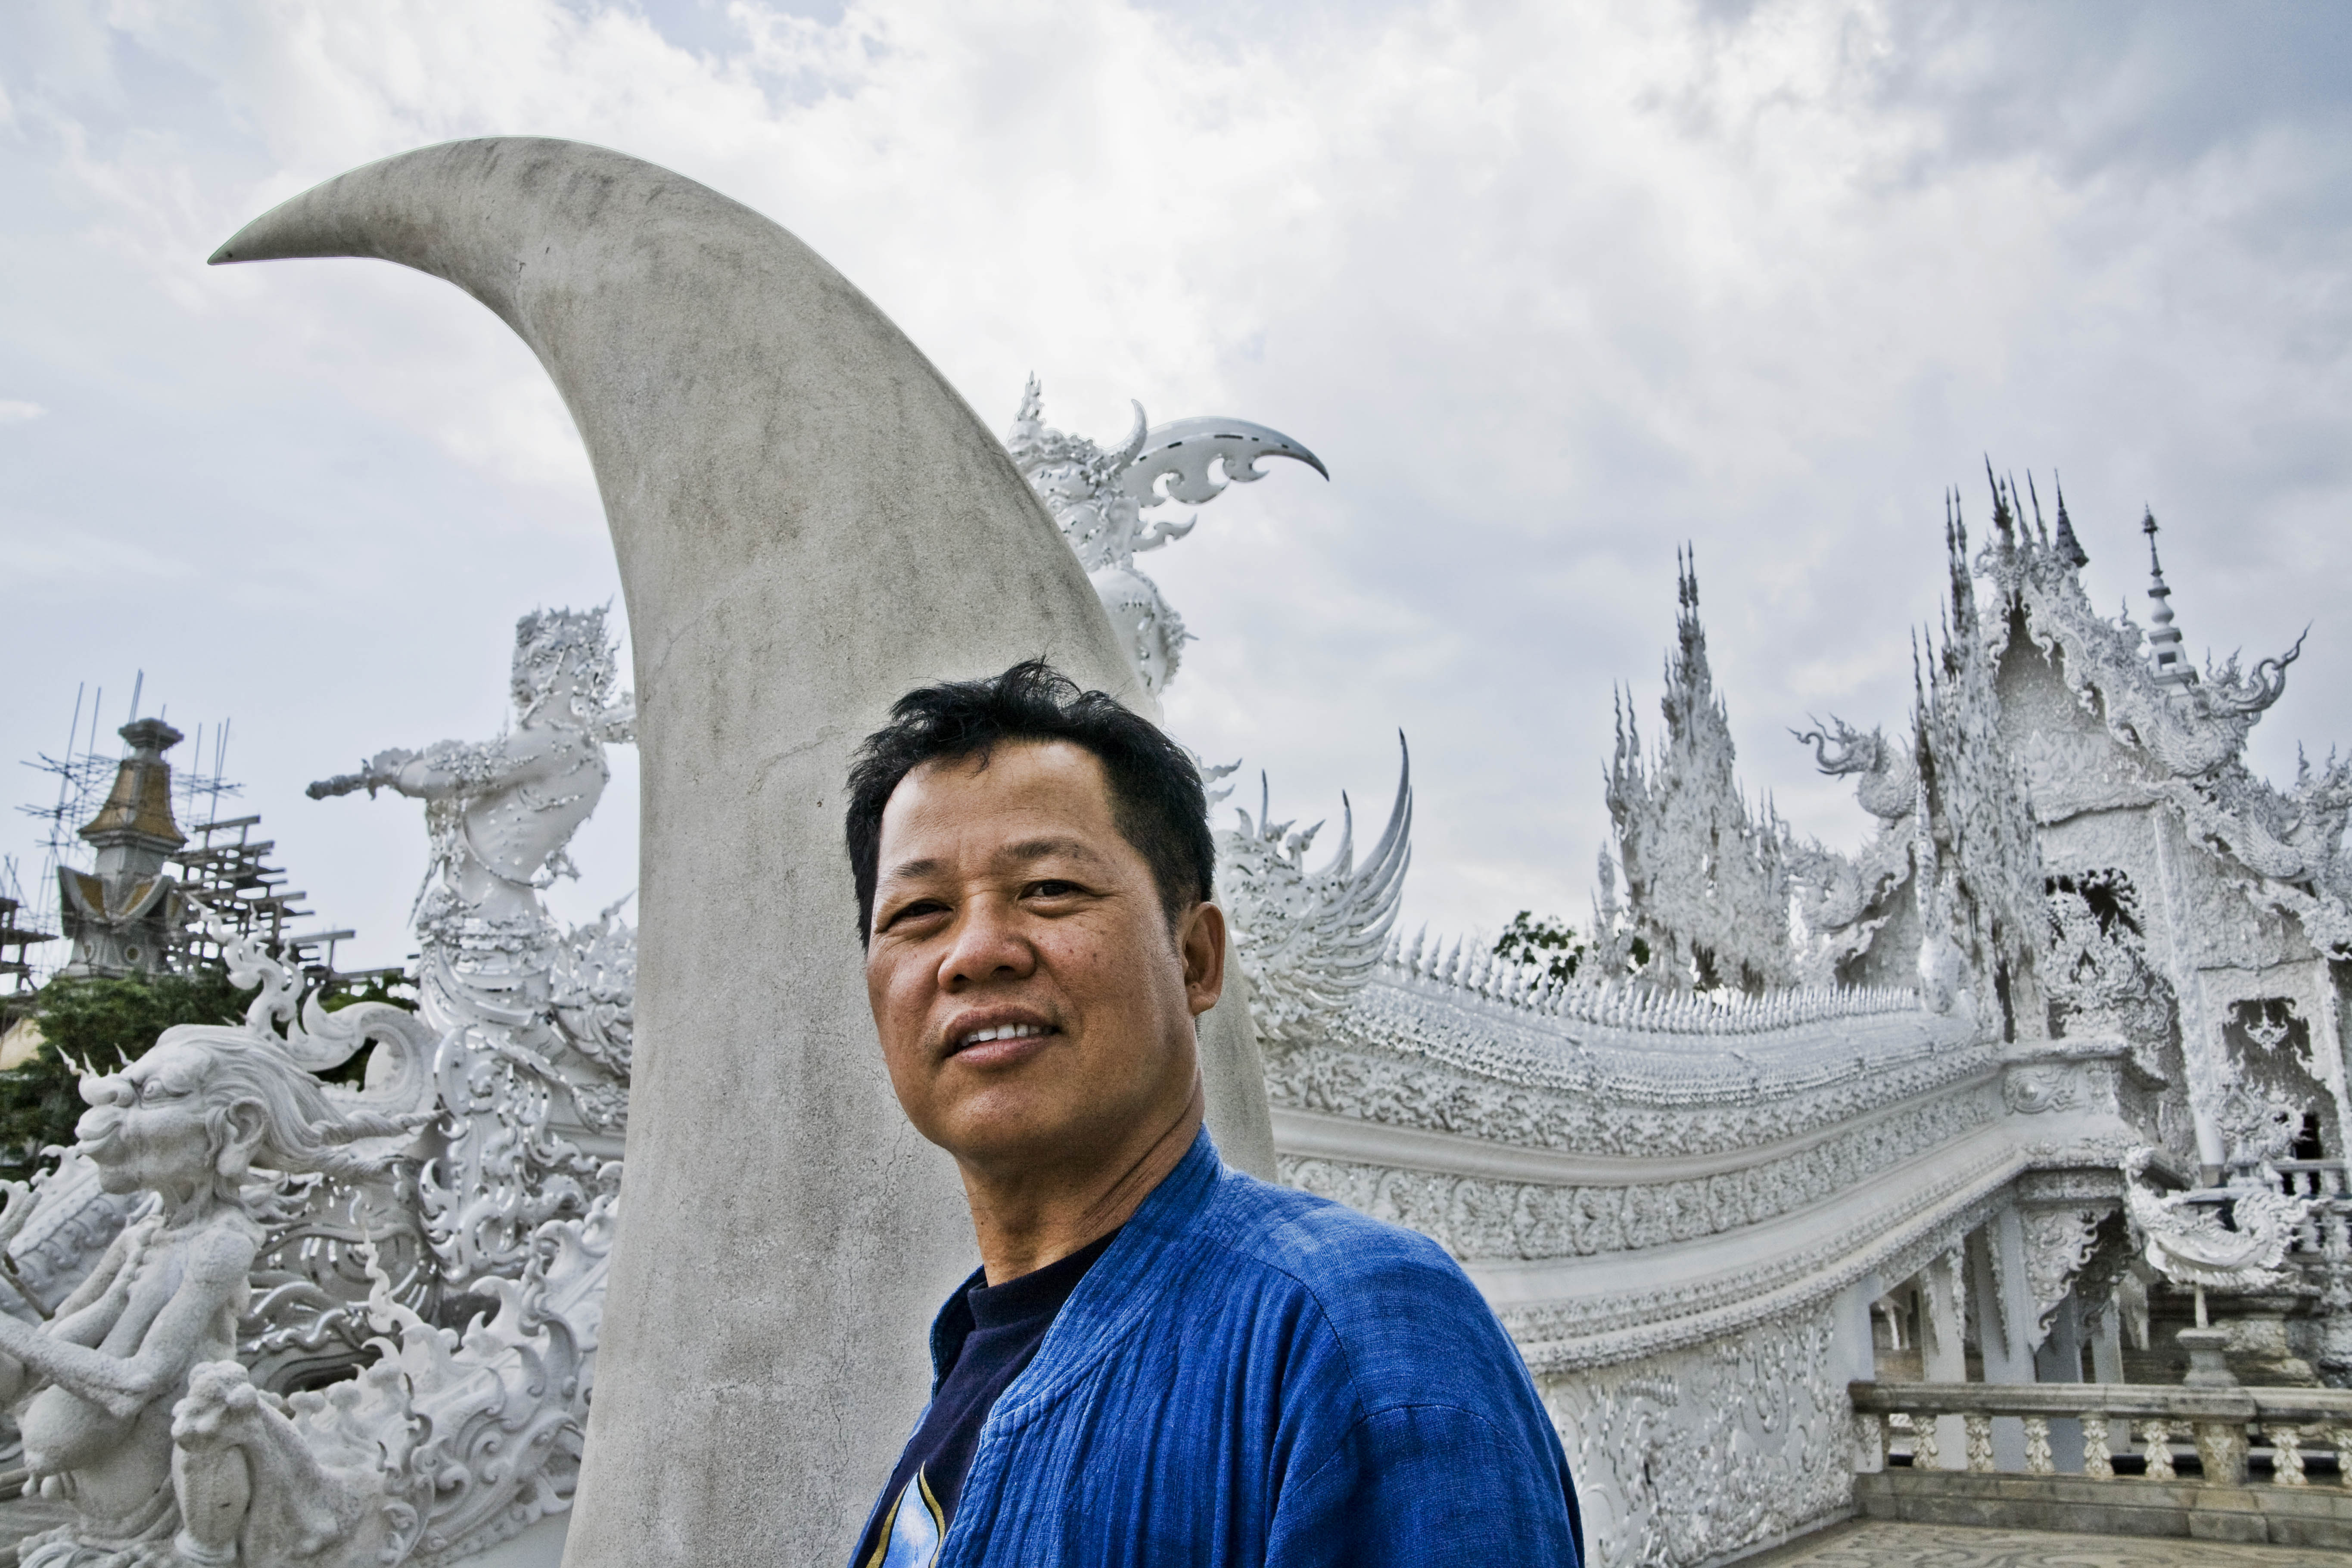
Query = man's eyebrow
x=925 y=866
x=1020 y=853
x=1030 y=850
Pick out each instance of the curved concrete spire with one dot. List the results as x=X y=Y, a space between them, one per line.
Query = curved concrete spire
x=809 y=522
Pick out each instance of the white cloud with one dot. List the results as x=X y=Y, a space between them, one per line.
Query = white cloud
x=15 y=412
x=1553 y=288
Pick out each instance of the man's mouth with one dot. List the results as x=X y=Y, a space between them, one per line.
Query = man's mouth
x=999 y=1036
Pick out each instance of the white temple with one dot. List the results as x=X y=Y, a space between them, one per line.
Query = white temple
x=1976 y=1111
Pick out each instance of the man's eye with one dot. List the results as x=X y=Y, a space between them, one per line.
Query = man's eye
x=1053 y=888
x=921 y=909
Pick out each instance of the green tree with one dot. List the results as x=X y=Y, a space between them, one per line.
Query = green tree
x=100 y=1025
x=1546 y=944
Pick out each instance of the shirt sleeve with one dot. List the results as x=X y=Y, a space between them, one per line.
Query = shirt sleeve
x=1427 y=1486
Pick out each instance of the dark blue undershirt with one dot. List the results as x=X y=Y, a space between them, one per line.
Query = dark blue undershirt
x=989 y=1335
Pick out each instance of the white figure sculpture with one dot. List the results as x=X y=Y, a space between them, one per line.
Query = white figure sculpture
x=186 y=1126
x=1098 y=497
x=131 y=1402
x=539 y=1093
x=500 y=812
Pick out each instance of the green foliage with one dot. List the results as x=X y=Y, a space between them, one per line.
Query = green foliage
x=1548 y=944
x=102 y=1024
x=399 y=990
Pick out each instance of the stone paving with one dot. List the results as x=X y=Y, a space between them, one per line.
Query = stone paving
x=1879 y=1544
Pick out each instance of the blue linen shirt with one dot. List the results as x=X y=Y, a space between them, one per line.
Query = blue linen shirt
x=1251 y=1375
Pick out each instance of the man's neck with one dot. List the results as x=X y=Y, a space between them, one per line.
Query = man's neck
x=1025 y=1222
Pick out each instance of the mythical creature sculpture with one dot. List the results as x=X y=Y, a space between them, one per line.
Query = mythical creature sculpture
x=200 y=1127
x=2187 y=1242
x=539 y=1094
x=1098 y=497
x=1886 y=778
x=1308 y=940
x=134 y=1401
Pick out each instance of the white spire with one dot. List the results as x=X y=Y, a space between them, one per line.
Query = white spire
x=2164 y=653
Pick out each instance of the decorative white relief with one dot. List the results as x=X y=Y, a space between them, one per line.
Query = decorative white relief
x=2098 y=972
x=226 y=1139
x=1685 y=1457
x=2037 y=1091
x=1417 y=1051
x=1478 y=1217
x=1920 y=1220
x=2058 y=1243
x=2258 y=1129
x=1309 y=941
x=2070 y=772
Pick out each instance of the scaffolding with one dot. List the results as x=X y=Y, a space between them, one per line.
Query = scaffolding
x=82 y=774
x=234 y=892
x=16 y=936
x=228 y=887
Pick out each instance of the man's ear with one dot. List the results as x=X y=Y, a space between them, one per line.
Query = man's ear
x=1200 y=942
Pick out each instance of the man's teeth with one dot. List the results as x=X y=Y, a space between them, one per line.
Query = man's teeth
x=1004 y=1032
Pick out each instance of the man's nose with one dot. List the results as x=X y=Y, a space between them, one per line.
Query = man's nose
x=989 y=946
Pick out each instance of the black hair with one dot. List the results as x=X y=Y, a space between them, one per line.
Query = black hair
x=1156 y=798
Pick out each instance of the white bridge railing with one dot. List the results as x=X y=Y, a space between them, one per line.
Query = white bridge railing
x=2326 y=1234
x=1631 y=1005
x=2224 y=1429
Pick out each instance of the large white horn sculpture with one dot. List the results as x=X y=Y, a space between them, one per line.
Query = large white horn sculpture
x=810 y=522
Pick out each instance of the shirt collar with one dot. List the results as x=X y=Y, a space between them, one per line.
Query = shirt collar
x=1168 y=1213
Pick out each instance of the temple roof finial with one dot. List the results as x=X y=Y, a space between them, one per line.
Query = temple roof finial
x=2069 y=549
x=2164 y=654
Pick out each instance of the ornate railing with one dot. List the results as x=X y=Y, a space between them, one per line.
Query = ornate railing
x=1635 y=1004
x=2223 y=1427
x=2325 y=1233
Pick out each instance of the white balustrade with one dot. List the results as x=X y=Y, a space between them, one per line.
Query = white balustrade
x=2228 y=1427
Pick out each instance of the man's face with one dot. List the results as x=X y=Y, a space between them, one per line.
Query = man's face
x=1034 y=1007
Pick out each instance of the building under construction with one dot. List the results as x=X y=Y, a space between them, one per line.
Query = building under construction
x=156 y=897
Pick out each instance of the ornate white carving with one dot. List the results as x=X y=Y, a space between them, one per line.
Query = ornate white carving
x=2098 y=972
x=534 y=1079
x=1705 y=881
x=1605 y=1326
x=2186 y=1241
x=1310 y=940
x=2257 y=1129
x=1417 y=1051
x=2058 y=1243
x=1478 y=1217
x=1689 y=1457
x=229 y=1140
x=469 y=1180
x=1097 y=496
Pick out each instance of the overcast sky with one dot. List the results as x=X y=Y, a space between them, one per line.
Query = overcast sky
x=1552 y=289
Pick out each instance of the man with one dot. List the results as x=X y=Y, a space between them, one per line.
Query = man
x=1161 y=1361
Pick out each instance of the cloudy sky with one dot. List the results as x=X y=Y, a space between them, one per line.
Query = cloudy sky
x=1552 y=289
